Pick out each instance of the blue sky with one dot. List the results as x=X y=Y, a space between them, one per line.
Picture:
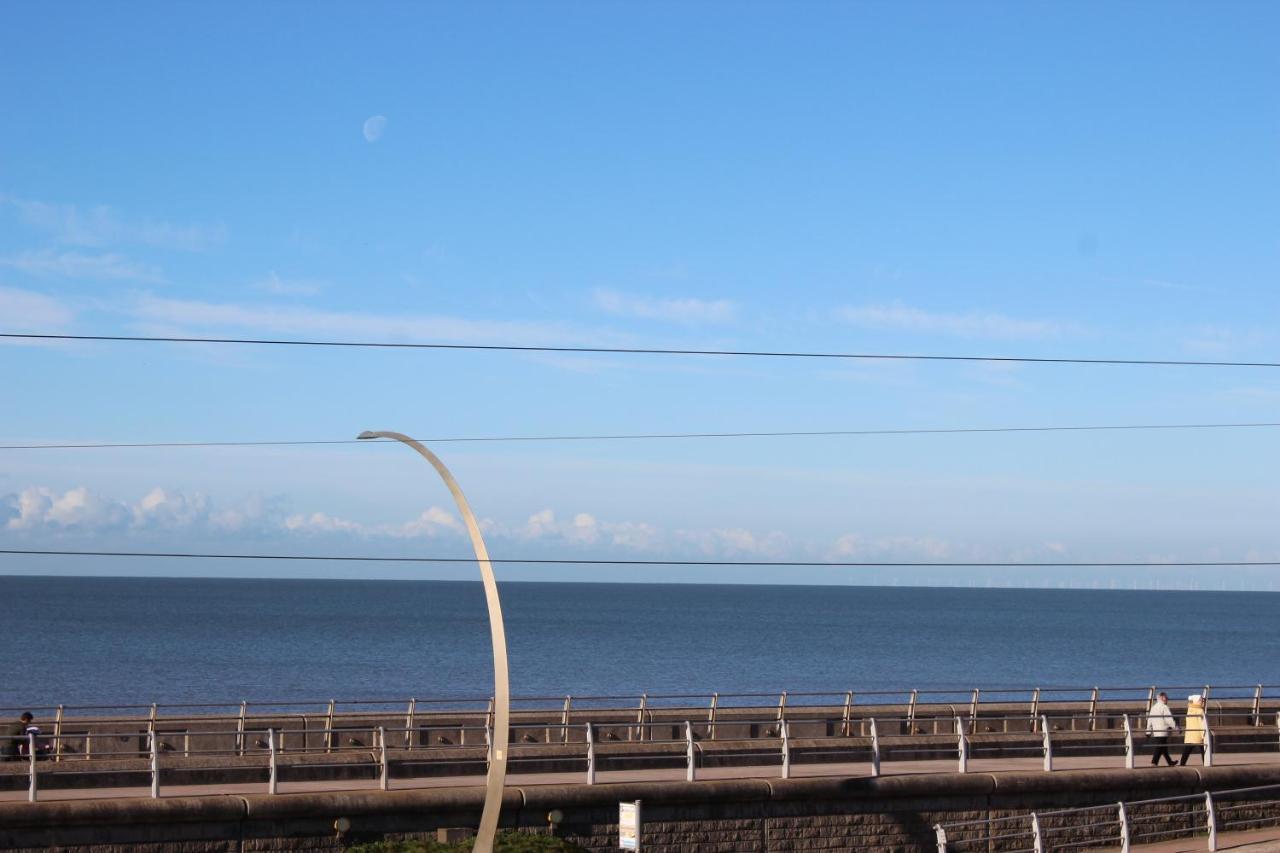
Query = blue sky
x=1055 y=179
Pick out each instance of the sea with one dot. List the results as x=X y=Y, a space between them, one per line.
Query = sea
x=133 y=641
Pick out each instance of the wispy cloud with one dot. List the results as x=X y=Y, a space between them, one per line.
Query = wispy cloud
x=274 y=284
x=72 y=264
x=687 y=311
x=971 y=324
x=100 y=225
x=27 y=311
x=187 y=314
x=1224 y=341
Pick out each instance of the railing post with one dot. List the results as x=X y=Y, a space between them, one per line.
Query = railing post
x=1208 y=742
x=1048 y=743
x=1257 y=705
x=31 y=756
x=711 y=715
x=591 y=755
x=408 y=723
x=1212 y=821
x=244 y=711
x=644 y=705
x=846 y=722
x=488 y=742
x=690 y=774
x=1128 y=743
x=1093 y=710
x=1037 y=837
x=155 y=765
x=875 y=749
x=973 y=711
x=1124 y=829
x=911 y=712
x=564 y=720
x=941 y=835
x=328 y=725
x=1035 y=708
x=782 y=705
x=272 y=771
x=1151 y=696
x=57 y=734
x=384 y=768
x=786 y=750
x=962 y=747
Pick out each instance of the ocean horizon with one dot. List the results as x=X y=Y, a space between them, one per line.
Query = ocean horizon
x=136 y=640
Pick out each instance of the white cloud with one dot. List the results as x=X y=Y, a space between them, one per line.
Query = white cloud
x=177 y=313
x=273 y=283
x=1222 y=342
x=40 y=508
x=432 y=522
x=26 y=311
x=50 y=264
x=733 y=541
x=170 y=510
x=853 y=546
x=99 y=225
x=75 y=508
x=973 y=324
x=586 y=529
x=320 y=522
x=688 y=311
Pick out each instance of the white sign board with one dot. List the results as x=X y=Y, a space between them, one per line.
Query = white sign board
x=629 y=826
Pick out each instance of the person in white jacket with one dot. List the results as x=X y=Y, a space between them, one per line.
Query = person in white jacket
x=1160 y=726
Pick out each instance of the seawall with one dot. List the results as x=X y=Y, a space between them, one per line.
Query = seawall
x=878 y=815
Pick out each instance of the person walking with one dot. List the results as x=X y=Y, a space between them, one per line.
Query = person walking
x=1160 y=725
x=1195 y=728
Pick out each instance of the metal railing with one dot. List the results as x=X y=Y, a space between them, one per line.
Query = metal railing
x=1251 y=697
x=1120 y=824
x=777 y=740
x=1093 y=708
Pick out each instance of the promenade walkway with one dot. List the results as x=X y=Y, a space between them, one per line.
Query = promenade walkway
x=517 y=779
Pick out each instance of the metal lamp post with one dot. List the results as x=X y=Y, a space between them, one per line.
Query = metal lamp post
x=497 y=775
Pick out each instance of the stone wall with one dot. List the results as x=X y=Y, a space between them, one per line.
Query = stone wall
x=894 y=813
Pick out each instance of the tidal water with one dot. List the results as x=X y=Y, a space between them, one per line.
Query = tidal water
x=107 y=641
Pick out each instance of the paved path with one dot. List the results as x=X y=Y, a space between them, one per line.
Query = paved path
x=1257 y=841
x=517 y=779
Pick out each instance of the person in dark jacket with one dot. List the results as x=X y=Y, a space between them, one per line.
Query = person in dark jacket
x=15 y=734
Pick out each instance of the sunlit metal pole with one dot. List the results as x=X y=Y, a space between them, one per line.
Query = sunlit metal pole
x=497 y=775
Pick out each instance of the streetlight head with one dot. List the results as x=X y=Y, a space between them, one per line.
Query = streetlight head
x=367 y=434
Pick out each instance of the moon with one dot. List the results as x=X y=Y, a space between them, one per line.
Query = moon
x=374 y=126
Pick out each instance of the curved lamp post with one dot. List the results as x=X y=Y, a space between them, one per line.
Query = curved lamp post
x=497 y=775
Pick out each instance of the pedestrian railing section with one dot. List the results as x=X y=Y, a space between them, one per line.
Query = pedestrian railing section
x=1121 y=825
x=83 y=731
x=776 y=741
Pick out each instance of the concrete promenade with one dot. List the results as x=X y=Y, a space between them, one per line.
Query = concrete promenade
x=848 y=770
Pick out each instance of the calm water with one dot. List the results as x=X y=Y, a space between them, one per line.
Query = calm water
x=116 y=640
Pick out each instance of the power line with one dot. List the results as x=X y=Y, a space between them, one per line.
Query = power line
x=598 y=562
x=647 y=436
x=643 y=350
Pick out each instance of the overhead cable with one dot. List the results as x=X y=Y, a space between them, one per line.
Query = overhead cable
x=1169 y=362
x=646 y=436
x=189 y=555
